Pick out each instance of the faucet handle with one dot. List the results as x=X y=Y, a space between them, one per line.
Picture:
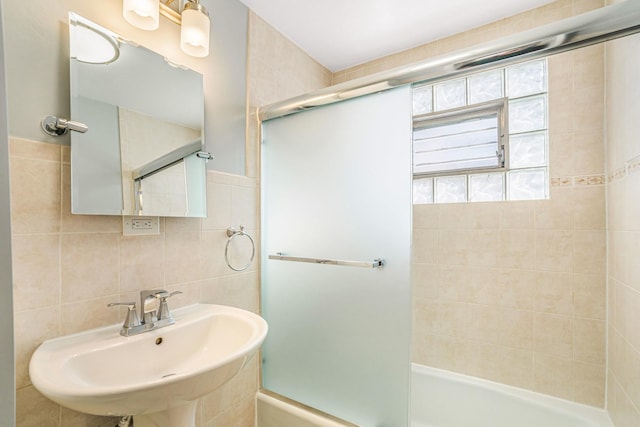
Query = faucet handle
x=163 y=309
x=132 y=316
x=164 y=294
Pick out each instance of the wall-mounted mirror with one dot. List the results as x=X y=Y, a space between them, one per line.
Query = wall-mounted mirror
x=143 y=153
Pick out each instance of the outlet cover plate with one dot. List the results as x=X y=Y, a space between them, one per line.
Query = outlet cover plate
x=140 y=225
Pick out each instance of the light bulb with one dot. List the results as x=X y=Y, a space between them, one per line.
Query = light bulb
x=144 y=14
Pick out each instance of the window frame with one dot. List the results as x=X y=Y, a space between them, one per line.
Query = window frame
x=499 y=106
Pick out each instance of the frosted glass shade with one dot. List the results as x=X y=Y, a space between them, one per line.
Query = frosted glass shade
x=144 y=14
x=194 y=33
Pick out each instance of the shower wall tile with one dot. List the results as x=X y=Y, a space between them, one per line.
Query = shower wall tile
x=589 y=153
x=425 y=246
x=530 y=274
x=483 y=249
x=526 y=277
x=516 y=367
x=589 y=247
x=623 y=231
x=553 y=375
x=453 y=216
x=424 y=282
x=562 y=153
x=482 y=216
x=554 y=335
x=554 y=293
x=554 y=250
x=589 y=293
x=589 y=208
x=517 y=249
x=515 y=289
x=589 y=335
x=452 y=282
x=516 y=215
x=555 y=212
x=453 y=247
x=588 y=382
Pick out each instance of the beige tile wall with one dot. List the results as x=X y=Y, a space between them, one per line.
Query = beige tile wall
x=515 y=291
x=623 y=212
x=68 y=267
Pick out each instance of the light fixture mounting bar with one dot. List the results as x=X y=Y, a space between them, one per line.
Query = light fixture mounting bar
x=170 y=14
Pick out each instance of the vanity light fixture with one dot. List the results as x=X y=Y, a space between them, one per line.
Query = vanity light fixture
x=194 y=21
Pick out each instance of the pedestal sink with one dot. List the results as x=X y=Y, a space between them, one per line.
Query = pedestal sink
x=156 y=376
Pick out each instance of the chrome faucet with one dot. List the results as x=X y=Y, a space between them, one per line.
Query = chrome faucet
x=154 y=312
x=149 y=306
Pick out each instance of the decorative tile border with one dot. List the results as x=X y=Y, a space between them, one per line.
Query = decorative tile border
x=563 y=181
x=589 y=180
x=577 y=181
x=631 y=166
x=618 y=174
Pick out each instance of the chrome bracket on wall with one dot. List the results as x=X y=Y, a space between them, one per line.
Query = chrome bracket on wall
x=56 y=126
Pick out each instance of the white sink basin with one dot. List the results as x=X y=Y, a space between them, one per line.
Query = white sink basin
x=156 y=376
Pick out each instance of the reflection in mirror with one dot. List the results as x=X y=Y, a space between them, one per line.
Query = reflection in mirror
x=144 y=113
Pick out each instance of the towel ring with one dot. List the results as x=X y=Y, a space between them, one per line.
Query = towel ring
x=232 y=233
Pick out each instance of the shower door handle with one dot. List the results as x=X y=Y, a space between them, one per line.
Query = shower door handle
x=376 y=263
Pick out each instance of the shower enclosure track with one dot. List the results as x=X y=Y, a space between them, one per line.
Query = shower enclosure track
x=590 y=28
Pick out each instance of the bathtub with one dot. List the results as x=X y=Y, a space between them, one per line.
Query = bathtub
x=446 y=399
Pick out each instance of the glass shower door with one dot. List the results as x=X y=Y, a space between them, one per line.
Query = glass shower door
x=336 y=185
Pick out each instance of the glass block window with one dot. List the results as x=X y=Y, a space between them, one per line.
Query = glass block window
x=452 y=140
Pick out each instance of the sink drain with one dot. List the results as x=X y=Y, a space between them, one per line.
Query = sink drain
x=158 y=340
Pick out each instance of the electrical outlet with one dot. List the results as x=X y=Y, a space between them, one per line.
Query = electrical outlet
x=140 y=225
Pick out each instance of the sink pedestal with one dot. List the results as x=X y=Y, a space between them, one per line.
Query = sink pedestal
x=180 y=416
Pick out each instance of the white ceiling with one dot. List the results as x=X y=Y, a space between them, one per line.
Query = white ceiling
x=342 y=33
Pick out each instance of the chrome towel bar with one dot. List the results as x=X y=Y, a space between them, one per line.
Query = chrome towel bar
x=376 y=263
